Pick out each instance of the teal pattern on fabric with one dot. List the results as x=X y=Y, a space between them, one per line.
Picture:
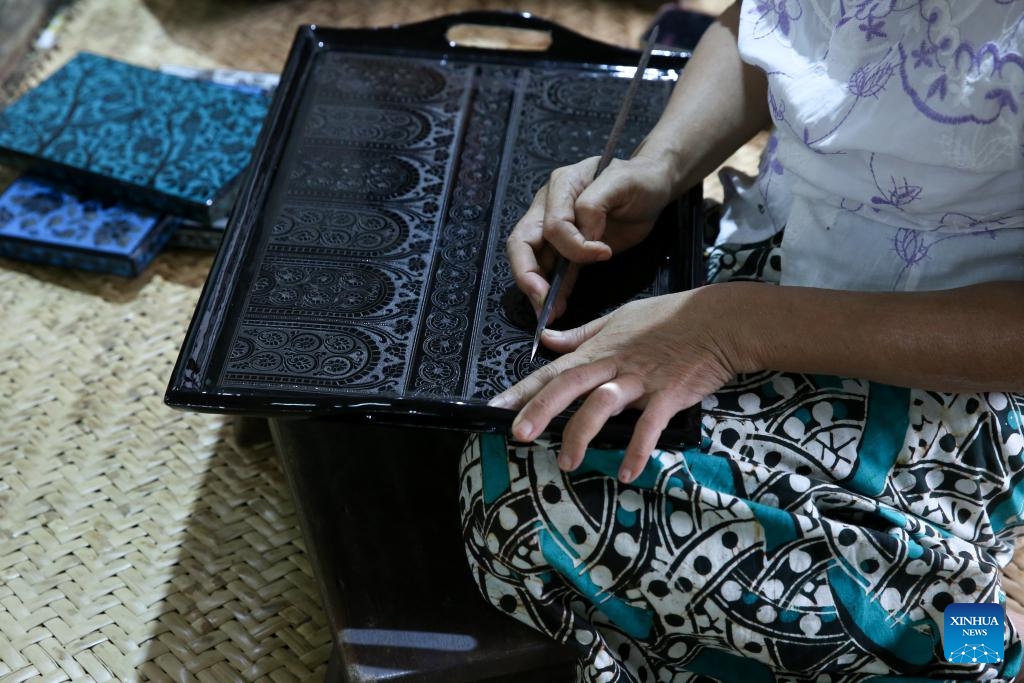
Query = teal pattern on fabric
x=884 y=433
x=494 y=466
x=715 y=472
x=636 y=622
x=1009 y=510
x=727 y=667
x=872 y=621
x=828 y=381
x=712 y=471
x=1014 y=657
x=607 y=462
x=779 y=527
x=824 y=547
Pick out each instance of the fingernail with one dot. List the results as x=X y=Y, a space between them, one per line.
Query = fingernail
x=500 y=401
x=564 y=463
x=625 y=476
x=538 y=301
x=522 y=429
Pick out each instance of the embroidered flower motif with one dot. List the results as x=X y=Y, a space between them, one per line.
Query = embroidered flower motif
x=872 y=28
x=776 y=14
x=909 y=246
x=898 y=195
x=938 y=87
x=870 y=79
x=923 y=55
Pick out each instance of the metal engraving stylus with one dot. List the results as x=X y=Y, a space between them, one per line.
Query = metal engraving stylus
x=562 y=264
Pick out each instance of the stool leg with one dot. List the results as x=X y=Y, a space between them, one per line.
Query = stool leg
x=250 y=431
x=335 y=669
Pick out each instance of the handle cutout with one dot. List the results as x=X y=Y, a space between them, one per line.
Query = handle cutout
x=498 y=37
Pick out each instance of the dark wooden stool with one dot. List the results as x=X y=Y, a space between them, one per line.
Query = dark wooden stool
x=379 y=512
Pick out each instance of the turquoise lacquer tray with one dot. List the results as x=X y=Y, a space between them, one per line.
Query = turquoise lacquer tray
x=169 y=144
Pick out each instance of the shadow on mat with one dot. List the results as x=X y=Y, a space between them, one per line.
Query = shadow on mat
x=243 y=603
x=187 y=267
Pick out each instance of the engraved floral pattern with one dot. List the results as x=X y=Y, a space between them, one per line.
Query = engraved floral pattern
x=379 y=269
x=503 y=348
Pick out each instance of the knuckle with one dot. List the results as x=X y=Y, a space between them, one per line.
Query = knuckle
x=608 y=395
x=543 y=403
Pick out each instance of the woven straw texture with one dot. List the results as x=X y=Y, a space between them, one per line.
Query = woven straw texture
x=137 y=542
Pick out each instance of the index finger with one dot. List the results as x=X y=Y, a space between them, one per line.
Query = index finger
x=561 y=226
x=522 y=247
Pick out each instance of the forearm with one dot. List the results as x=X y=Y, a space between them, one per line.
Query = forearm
x=967 y=339
x=719 y=103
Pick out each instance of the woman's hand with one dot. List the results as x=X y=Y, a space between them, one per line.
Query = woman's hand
x=662 y=354
x=585 y=221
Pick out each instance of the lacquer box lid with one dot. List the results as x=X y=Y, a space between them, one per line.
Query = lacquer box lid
x=170 y=144
x=47 y=223
x=363 y=272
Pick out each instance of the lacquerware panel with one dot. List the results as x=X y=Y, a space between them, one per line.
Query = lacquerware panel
x=445 y=357
x=355 y=229
x=33 y=209
x=352 y=78
x=338 y=174
x=365 y=276
x=564 y=116
x=353 y=360
x=377 y=126
x=345 y=231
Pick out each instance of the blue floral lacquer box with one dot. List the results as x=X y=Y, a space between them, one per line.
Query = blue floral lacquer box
x=43 y=223
x=171 y=144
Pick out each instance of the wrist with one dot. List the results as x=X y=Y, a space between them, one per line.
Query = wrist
x=667 y=161
x=747 y=322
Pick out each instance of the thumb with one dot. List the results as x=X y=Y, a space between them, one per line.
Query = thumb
x=564 y=341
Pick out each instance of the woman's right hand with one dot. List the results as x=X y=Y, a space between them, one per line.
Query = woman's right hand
x=585 y=221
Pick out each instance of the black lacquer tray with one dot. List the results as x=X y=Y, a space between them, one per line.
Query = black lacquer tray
x=363 y=271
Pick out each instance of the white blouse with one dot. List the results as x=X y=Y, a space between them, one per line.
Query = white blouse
x=897 y=160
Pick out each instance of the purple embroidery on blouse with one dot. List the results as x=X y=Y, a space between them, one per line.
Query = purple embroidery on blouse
x=777 y=106
x=769 y=167
x=923 y=55
x=870 y=79
x=989 y=56
x=898 y=195
x=776 y=14
x=872 y=28
x=870 y=15
x=771 y=163
x=867 y=81
x=914 y=246
x=976 y=60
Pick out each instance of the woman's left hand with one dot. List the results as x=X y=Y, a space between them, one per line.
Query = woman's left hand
x=662 y=354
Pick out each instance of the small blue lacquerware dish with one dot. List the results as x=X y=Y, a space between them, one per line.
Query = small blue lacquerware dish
x=44 y=223
x=169 y=144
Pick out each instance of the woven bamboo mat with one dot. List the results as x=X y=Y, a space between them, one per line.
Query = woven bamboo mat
x=137 y=542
